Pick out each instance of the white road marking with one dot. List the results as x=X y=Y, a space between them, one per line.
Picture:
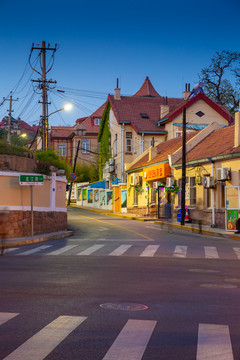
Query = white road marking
x=37 y=249
x=62 y=250
x=150 y=250
x=102 y=229
x=4 y=317
x=211 y=252
x=180 y=251
x=214 y=342
x=43 y=342
x=152 y=227
x=120 y=250
x=6 y=250
x=237 y=252
x=91 y=250
x=132 y=340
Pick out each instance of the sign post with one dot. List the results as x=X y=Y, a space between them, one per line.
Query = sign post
x=31 y=180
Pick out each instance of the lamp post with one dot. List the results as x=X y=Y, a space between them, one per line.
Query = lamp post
x=80 y=131
x=67 y=107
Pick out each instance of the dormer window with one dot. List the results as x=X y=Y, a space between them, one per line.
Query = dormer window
x=144 y=115
x=97 y=121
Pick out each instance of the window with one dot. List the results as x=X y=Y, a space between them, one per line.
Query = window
x=200 y=113
x=208 y=198
x=222 y=194
x=153 y=192
x=193 y=190
x=85 y=146
x=144 y=115
x=135 y=197
x=97 y=121
x=62 y=149
x=128 y=142
x=115 y=146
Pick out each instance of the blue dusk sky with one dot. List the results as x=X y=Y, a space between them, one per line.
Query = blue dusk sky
x=170 y=41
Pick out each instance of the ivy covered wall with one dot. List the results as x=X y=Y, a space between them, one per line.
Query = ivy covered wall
x=104 y=139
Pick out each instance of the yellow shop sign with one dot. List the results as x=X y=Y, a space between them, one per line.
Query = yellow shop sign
x=156 y=172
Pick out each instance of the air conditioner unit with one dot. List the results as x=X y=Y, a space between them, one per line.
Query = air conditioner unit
x=169 y=182
x=208 y=182
x=223 y=174
x=136 y=179
x=111 y=162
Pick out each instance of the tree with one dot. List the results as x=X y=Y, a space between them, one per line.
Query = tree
x=222 y=79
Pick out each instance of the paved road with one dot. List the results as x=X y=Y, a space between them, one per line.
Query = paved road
x=121 y=289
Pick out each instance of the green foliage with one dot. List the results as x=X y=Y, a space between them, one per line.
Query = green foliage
x=86 y=173
x=222 y=79
x=104 y=137
x=9 y=149
x=49 y=158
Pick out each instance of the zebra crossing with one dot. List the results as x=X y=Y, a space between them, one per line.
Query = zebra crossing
x=213 y=341
x=139 y=250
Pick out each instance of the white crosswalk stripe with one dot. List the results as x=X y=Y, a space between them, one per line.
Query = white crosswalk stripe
x=150 y=250
x=4 y=317
x=180 y=251
x=91 y=250
x=132 y=340
x=62 y=250
x=214 y=342
x=120 y=250
x=42 y=343
x=237 y=252
x=35 y=250
x=211 y=252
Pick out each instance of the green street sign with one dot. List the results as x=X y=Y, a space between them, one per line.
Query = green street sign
x=31 y=179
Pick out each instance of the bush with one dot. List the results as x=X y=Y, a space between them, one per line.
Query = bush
x=49 y=158
x=8 y=149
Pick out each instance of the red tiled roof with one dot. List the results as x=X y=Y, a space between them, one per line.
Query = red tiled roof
x=147 y=89
x=163 y=150
x=220 y=142
x=174 y=112
x=61 y=131
x=129 y=108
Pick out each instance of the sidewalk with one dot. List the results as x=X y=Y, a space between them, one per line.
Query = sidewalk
x=36 y=238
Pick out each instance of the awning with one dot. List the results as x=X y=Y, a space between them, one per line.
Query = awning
x=193 y=126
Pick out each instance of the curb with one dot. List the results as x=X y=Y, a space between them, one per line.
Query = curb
x=39 y=238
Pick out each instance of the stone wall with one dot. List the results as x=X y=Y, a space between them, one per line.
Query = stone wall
x=17 y=163
x=18 y=223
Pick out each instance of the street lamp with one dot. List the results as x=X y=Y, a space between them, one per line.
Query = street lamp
x=79 y=131
x=67 y=107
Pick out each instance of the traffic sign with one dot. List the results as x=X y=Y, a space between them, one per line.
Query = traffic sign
x=31 y=179
x=73 y=177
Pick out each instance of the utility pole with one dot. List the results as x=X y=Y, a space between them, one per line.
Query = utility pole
x=44 y=86
x=183 y=169
x=9 y=117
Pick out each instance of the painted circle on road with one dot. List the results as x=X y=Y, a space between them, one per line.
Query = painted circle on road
x=124 y=306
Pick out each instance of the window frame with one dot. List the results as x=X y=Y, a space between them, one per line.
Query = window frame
x=85 y=149
x=63 y=147
x=128 y=142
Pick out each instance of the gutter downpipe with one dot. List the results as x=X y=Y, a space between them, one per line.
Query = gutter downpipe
x=213 y=196
x=142 y=142
x=122 y=153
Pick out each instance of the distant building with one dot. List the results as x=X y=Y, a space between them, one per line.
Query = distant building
x=18 y=127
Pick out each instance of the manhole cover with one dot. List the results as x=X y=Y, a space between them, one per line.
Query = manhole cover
x=223 y=286
x=124 y=306
x=204 y=270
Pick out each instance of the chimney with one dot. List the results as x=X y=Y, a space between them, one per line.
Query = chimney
x=187 y=91
x=164 y=110
x=152 y=151
x=117 y=92
x=237 y=130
